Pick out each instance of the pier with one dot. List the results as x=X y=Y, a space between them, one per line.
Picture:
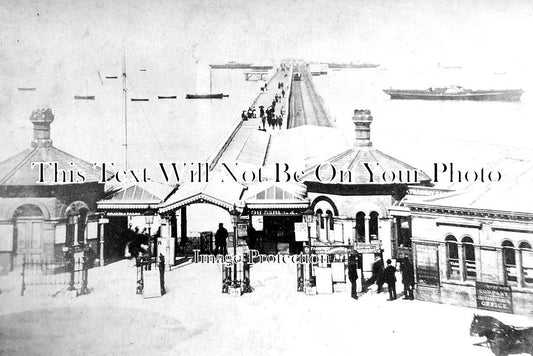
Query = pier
x=245 y=142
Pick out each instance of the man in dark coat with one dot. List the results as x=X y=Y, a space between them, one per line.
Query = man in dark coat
x=352 y=275
x=408 y=279
x=252 y=237
x=389 y=277
x=220 y=239
x=377 y=274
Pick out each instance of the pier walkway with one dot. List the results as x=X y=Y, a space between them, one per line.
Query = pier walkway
x=246 y=142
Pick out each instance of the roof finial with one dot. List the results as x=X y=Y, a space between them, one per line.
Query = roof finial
x=362 y=120
x=41 y=119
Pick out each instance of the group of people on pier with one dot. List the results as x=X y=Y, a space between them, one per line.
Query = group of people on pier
x=269 y=116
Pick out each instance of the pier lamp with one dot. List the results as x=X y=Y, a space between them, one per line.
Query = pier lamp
x=149 y=219
x=309 y=216
x=234 y=219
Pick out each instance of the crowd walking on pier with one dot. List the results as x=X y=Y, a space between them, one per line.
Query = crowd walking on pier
x=272 y=116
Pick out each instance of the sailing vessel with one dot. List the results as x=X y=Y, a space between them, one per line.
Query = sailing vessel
x=200 y=84
x=455 y=93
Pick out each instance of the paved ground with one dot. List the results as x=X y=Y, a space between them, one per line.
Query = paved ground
x=195 y=318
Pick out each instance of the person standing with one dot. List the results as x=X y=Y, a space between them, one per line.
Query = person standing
x=377 y=274
x=283 y=92
x=389 y=277
x=408 y=278
x=220 y=239
x=352 y=274
x=251 y=236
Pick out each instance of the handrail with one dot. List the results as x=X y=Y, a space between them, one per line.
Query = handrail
x=213 y=158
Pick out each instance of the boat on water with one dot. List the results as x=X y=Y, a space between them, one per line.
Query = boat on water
x=202 y=78
x=206 y=96
x=455 y=93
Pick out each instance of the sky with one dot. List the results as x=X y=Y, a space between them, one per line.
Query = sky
x=53 y=45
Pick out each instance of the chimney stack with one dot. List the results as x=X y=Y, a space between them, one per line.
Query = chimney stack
x=41 y=119
x=362 y=120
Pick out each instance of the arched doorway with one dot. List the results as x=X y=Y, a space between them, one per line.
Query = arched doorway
x=28 y=233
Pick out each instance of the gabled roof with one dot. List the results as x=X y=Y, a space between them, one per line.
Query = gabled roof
x=272 y=195
x=223 y=194
x=137 y=196
x=18 y=170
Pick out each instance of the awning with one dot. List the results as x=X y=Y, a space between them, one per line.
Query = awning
x=276 y=196
x=223 y=194
x=134 y=199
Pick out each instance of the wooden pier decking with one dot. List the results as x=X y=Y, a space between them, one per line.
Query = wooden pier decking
x=246 y=143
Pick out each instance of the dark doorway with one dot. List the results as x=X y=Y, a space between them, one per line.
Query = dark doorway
x=278 y=232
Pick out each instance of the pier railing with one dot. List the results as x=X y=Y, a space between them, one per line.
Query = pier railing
x=213 y=158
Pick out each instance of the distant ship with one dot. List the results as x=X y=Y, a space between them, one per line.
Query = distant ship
x=352 y=65
x=206 y=96
x=455 y=93
x=231 y=65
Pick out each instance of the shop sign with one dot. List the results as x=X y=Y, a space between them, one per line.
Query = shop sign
x=368 y=248
x=427 y=265
x=428 y=275
x=495 y=297
x=275 y=212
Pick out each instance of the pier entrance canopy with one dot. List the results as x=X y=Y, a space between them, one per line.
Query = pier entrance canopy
x=273 y=208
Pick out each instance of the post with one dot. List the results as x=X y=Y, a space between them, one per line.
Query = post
x=84 y=275
x=72 y=268
x=102 y=222
x=367 y=228
x=162 y=273
x=23 y=275
x=235 y=252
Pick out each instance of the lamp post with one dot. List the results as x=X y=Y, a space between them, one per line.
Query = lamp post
x=149 y=219
x=309 y=215
x=234 y=219
x=72 y=220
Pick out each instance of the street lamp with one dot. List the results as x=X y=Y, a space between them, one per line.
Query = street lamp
x=309 y=216
x=234 y=219
x=149 y=219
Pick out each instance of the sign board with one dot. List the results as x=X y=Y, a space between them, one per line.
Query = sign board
x=324 y=283
x=312 y=231
x=489 y=269
x=61 y=234
x=427 y=265
x=495 y=297
x=300 y=231
x=368 y=248
x=337 y=271
x=6 y=237
x=152 y=286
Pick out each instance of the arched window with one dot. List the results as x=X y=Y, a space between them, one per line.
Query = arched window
x=453 y=256
x=320 y=218
x=470 y=257
x=527 y=262
x=509 y=260
x=27 y=233
x=373 y=225
x=330 y=220
x=360 y=226
x=82 y=224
